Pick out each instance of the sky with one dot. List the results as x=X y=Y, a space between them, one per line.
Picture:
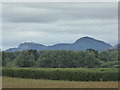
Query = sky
x=49 y=23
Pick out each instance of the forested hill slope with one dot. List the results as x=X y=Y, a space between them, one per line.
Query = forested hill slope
x=83 y=43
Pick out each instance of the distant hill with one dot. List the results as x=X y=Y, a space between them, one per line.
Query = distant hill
x=83 y=43
x=115 y=47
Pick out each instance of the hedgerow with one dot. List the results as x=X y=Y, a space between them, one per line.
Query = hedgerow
x=70 y=74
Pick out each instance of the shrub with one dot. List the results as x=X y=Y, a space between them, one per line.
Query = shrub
x=71 y=74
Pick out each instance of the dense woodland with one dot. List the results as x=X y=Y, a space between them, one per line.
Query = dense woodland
x=61 y=59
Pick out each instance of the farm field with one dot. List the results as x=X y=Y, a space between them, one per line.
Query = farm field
x=8 y=82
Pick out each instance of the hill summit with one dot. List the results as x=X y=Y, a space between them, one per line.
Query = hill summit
x=83 y=43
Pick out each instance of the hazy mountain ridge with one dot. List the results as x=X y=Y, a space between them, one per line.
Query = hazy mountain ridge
x=80 y=44
x=115 y=46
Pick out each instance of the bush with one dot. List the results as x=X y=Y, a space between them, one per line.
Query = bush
x=71 y=74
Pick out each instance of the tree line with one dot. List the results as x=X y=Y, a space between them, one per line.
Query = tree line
x=61 y=59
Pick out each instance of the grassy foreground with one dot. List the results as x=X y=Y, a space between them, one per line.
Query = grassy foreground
x=40 y=83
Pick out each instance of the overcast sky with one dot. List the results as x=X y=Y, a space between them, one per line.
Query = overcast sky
x=52 y=23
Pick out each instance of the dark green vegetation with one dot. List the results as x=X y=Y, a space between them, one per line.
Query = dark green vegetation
x=70 y=74
x=61 y=59
x=89 y=65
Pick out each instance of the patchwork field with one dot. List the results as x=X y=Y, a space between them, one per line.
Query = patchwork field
x=41 y=83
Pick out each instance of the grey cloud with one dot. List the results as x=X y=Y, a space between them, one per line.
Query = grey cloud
x=64 y=27
x=51 y=12
x=51 y=23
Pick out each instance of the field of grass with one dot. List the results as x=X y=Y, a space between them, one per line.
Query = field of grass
x=41 y=83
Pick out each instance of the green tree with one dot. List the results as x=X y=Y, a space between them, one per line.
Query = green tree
x=25 y=59
x=90 y=60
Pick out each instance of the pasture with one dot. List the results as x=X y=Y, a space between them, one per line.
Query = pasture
x=42 y=83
